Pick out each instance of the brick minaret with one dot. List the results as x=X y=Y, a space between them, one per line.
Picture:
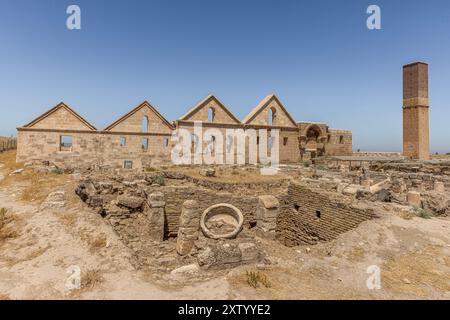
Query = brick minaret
x=416 y=135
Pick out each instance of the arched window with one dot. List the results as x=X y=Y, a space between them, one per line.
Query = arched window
x=211 y=114
x=145 y=124
x=272 y=115
x=341 y=139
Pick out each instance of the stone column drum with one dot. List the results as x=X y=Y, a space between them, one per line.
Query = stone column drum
x=189 y=227
x=266 y=215
x=156 y=215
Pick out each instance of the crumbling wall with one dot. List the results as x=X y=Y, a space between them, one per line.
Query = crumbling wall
x=176 y=195
x=307 y=217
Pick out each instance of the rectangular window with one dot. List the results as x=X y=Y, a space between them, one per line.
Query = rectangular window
x=165 y=142
x=285 y=140
x=123 y=141
x=341 y=139
x=128 y=164
x=144 y=144
x=65 y=143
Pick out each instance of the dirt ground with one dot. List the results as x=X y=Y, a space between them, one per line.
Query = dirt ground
x=38 y=247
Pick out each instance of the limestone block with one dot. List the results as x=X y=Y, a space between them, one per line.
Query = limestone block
x=156 y=216
x=414 y=199
x=267 y=214
x=131 y=202
x=189 y=227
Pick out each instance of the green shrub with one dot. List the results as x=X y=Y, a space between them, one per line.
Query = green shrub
x=159 y=180
x=57 y=170
x=422 y=213
x=306 y=163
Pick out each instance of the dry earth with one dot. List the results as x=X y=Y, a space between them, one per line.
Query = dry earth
x=37 y=246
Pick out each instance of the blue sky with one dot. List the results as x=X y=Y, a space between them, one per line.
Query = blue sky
x=317 y=56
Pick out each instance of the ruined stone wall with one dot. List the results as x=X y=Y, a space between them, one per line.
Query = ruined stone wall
x=175 y=196
x=339 y=143
x=307 y=217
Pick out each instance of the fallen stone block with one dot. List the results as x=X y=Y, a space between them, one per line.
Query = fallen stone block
x=131 y=202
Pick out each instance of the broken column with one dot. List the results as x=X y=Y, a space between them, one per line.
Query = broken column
x=189 y=226
x=266 y=216
x=413 y=198
x=156 y=215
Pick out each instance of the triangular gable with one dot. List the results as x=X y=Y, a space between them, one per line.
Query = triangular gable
x=262 y=105
x=66 y=116
x=144 y=104
x=205 y=103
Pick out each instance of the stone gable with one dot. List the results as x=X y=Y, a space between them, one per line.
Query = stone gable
x=270 y=105
x=60 y=117
x=200 y=112
x=132 y=122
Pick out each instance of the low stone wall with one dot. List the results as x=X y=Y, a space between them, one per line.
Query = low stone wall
x=307 y=217
x=176 y=195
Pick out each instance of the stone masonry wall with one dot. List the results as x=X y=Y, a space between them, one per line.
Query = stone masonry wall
x=307 y=217
x=92 y=148
x=175 y=196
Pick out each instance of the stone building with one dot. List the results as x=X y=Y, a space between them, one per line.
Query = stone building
x=416 y=136
x=142 y=137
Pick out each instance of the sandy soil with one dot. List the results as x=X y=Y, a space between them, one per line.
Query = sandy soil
x=413 y=255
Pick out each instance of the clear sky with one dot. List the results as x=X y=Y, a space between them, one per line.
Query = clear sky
x=317 y=56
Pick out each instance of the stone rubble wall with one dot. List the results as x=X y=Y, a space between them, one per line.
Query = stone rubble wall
x=307 y=217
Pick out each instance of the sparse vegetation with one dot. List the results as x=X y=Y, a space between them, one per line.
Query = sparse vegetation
x=68 y=219
x=150 y=169
x=423 y=213
x=6 y=232
x=98 y=242
x=91 y=278
x=255 y=278
x=159 y=180
x=306 y=163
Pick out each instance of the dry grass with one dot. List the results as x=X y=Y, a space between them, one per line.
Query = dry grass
x=8 y=160
x=257 y=278
x=413 y=273
x=6 y=229
x=91 y=278
x=356 y=254
x=68 y=218
x=97 y=242
x=11 y=261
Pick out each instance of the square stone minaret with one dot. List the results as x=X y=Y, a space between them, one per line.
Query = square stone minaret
x=416 y=136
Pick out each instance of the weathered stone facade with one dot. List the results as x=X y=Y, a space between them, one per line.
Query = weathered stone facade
x=142 y=137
